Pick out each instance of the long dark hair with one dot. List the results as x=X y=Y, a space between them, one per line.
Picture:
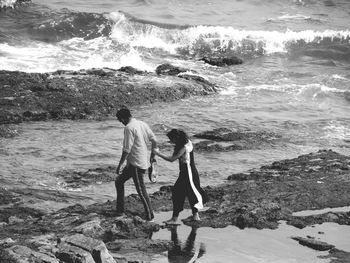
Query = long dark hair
x=179 y=137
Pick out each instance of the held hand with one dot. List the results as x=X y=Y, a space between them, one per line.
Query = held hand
x=155 y=151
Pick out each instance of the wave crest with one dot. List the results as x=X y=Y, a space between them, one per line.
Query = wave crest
x=206 y=40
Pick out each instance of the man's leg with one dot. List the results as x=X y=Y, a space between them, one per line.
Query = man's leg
x=119 y=186
x=138 y=175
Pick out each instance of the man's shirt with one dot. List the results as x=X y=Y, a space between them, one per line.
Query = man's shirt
x=137 y=135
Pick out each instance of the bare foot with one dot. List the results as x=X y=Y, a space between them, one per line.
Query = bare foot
x=172 y=221
x=196 y=217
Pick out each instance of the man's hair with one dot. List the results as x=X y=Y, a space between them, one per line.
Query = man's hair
x=123 y=113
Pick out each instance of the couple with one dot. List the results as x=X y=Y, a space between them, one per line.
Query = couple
x=137 y=135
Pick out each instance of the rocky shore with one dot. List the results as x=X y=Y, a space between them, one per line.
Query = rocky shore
x=259 y=198
x=92 y=94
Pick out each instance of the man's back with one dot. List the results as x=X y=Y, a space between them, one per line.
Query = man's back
x=137 y=135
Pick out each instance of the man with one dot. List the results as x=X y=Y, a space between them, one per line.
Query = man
x=137 y=135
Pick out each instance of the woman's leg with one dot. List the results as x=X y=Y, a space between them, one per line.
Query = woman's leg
x=178 y=198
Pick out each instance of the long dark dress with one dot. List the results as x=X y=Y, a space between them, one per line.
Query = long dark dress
x=188 y=184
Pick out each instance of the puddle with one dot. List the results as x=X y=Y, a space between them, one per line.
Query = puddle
x=231 y=244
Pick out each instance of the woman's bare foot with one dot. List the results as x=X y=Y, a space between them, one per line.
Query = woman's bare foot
x=196 y=217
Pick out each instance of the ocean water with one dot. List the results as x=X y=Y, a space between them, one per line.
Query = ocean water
x=295 y=80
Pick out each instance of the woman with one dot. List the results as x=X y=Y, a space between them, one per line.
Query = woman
x=187 y=184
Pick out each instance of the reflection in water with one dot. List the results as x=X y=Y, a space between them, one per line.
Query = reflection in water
x=187 y=252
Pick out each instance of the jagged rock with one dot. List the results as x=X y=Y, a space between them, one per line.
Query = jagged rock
x=243 y=139
x=73 y=254
x=222 y=61
x=7 y=197
x=78 y=179
x=314 y=244
x=91 y=228
x=137 y=250
x=93 y=93
x=210 y=146
x=134 y=227
x=22 y=254
x=15 y=220
x=342 y=218
x=7 y=131
x=337 y=256
x=81 y=245
x=168 y=69
x=199 y=79
x=288 y=183
x=6 y=241
x=130 y=70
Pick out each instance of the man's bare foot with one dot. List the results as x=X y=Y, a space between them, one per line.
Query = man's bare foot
x=172 y=221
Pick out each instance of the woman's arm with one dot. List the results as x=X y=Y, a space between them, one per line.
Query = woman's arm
x=172 y=158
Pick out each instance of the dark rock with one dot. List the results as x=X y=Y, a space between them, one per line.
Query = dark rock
x=168 y=69
x=337 y=256
x=314 y=244
x=222 y=61
x=8 y=131
x=209 y=146
x=210 y=86
x=342 y=218
x=18 y=253
x=79 y=246
x=93 y=93
x=78 y=179
x=292 y=187
x=7 y=197
x=243 y=139
x=225 y=134
x=130 y=70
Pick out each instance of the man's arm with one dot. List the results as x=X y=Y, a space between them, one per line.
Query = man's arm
x=154 y=146
x=121 y=161
x=127 y=144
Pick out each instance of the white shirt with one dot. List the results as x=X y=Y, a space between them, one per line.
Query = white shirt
x=137 y=135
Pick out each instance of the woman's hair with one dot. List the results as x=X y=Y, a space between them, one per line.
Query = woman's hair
x=179 y=137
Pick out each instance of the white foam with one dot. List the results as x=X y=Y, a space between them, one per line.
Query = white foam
x=308 y=90
x=73 y=54
x=170 y=40
x=146 y=36
x=7 y=3
x=338 y=77
x=337 y=130
x=290 y=17
x=273 y=41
